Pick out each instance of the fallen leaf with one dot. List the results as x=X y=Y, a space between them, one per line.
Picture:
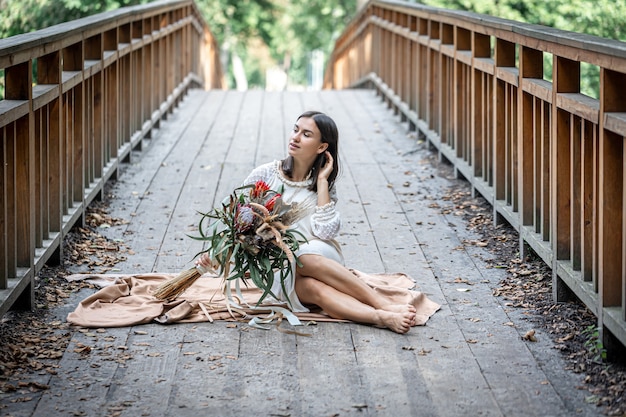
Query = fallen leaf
x=22 y=400
x=565 y=338
x=83 y=349
x=530 y=336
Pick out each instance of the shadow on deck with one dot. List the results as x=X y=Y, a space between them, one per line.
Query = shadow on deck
x=397 y=214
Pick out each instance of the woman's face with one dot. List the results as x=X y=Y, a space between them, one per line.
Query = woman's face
x=305 y=142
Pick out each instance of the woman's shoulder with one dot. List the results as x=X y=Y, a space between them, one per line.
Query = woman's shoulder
x=269 y=168
x=263 y=172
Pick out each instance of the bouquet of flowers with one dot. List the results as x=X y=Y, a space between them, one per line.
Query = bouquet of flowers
x=249 y=237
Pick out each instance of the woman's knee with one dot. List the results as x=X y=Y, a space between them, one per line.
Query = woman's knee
x=309 y=290
x=312 y=264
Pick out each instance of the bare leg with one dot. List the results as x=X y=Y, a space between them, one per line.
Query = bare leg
x=340 y=305
x=342 y=279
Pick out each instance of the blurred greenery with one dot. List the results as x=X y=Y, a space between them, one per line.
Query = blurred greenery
x=264 y=34
x=280 y=36
x=276 y=34
x=21 y=16
x=603 y=18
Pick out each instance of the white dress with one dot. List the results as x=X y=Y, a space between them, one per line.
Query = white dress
x=320 y=226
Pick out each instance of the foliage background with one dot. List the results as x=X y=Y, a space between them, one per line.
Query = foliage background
x=259 y=37
x=603 y=18
x=276 y=34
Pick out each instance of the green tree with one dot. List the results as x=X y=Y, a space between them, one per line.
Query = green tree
x=22 y=16
x=284 y=33
x=309 y=25
x=256 y=33
x=235 y=25
x=288 y=30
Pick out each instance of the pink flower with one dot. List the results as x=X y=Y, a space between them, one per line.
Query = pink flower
x=244 y=218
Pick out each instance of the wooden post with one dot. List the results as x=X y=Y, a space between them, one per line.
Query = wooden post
x=504 y=57
x=111 y=97
x=481 y=49
x=4 y=212
x=611 y=197
x=531 y=67
x=49 y=72
x=21 y=195
x=589 y=195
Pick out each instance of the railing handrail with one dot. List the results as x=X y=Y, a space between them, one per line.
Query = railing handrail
x=493 y=24
x=83 y=26
x=542 y=33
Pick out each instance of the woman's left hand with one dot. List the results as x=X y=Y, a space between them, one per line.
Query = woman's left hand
x=204 y=261
x=327 y=168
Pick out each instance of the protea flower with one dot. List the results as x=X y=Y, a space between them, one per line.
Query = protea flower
x=260 y=188
x=269 y=204
x=244 y=219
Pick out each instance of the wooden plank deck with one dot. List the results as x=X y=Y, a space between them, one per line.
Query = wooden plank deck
x=468 y=359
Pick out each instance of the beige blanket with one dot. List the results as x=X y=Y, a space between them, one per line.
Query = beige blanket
x=126 y=300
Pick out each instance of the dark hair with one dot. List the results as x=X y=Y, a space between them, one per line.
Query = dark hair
x=330 y=135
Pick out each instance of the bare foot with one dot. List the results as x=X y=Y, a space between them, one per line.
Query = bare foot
x=399 y=322
x=401 y=308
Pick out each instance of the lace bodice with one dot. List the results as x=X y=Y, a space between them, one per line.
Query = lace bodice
x=323 y=222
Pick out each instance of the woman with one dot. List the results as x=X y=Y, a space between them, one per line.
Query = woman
x=308 y=176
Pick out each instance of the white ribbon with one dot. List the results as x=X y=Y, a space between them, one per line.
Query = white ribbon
x=258 y=322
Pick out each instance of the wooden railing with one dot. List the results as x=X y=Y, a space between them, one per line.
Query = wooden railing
x=78 y=97
x=549 y=159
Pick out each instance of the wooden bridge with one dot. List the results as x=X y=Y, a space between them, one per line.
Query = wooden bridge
x=82 y=98
x=399 y=214
x=548 y=158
